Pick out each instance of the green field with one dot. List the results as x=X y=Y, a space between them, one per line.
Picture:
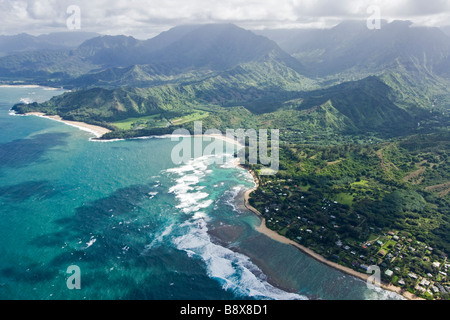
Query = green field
x=131 y=123
x=344 y=198
x=196 y=116
x=362 y=183
x=158 y=121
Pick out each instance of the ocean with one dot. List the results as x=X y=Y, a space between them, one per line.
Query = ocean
x=137 y=226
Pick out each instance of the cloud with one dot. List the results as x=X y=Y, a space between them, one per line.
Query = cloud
x=143 y=18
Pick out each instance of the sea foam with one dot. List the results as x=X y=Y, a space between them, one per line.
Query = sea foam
x=233 y=270
x=190 y=196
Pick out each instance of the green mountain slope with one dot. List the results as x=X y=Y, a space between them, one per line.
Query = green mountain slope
x=106 y=60
x=41 y=66
x=273 y=95
x=256 y=85
x=366 y=103
x=214 y=47
x=221 y=73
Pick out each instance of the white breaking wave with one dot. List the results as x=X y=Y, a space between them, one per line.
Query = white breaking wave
x=191 y=197
x=377 y=293
x=13 y=113
x=152 y=194
x=231 y=197
x=90 y=243
x=106 y=141
x=235 y=271
x=230 y=162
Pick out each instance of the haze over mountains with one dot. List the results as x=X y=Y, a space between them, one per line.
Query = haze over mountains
x=351 y=45
x=363 y=118
x=210 y=47
x=322 y=49
x=361 y=79
x=53 y=41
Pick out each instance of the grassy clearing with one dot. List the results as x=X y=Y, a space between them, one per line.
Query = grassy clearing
x=159 y=121
x=389 y=245
x=196 y=116
x=344 y=198
x=129 y=123
x=362 y=183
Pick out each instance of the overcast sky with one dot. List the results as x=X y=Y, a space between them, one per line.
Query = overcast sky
x=144 y=19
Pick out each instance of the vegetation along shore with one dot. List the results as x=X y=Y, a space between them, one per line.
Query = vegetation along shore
x=278 y=237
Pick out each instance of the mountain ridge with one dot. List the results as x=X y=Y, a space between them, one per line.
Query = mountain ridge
x=351 y=45
x=203 y=47
x=23 y=42
x=223 y=68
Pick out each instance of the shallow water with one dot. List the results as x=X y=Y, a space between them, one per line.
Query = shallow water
x=137 y=225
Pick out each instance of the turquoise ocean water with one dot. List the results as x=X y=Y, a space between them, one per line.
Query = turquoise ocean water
x=136 y=225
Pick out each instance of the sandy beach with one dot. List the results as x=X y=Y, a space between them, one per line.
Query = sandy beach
x=222 y=137
x=277 y=237
x=20 y=86
x=262 y=228
x=96 y=130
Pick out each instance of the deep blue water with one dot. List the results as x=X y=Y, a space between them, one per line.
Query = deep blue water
x=136 y=225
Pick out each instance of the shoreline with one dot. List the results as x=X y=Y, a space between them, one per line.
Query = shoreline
x=95 y=130
x=99 y=131
x=222 y=137
x=262 y=228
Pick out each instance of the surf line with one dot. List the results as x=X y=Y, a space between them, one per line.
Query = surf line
x=258 y=146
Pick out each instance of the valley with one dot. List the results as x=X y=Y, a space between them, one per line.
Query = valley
x=363 y=118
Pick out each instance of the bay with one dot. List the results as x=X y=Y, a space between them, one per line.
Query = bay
x=137 y=225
